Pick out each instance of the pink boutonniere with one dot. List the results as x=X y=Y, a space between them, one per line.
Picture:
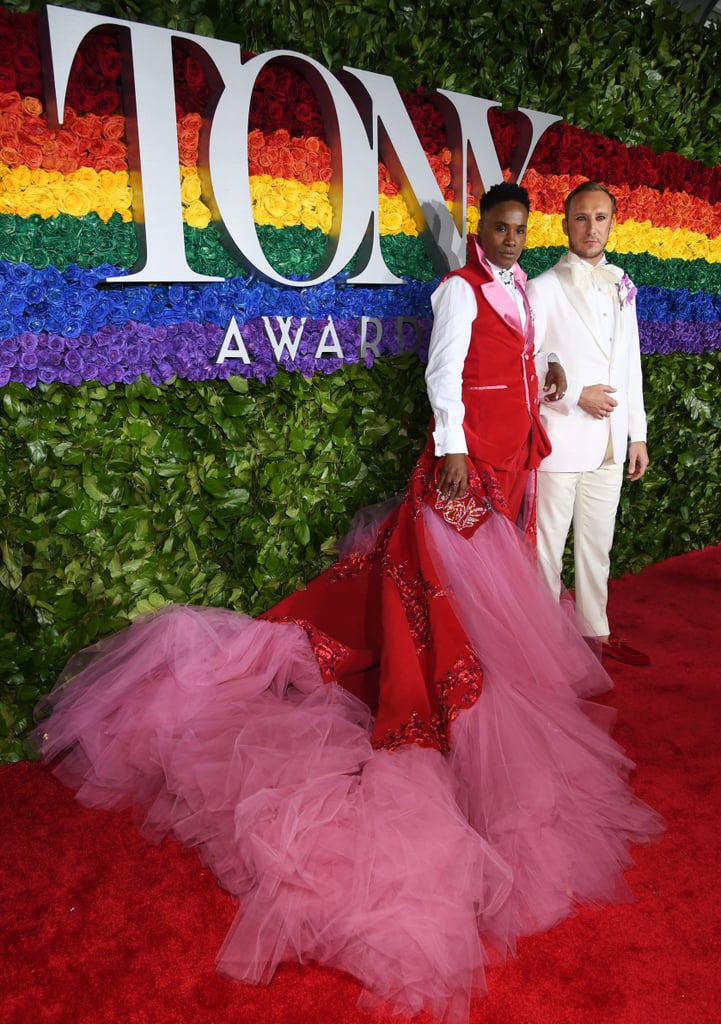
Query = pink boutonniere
x=627 y=291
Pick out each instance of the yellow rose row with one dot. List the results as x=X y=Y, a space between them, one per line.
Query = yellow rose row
x=48 y=193
x=281 y=203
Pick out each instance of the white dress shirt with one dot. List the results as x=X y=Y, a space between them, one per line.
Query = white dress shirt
x=454 y=310
x=603 y=302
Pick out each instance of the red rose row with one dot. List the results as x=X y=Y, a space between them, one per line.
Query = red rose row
x=284 y=101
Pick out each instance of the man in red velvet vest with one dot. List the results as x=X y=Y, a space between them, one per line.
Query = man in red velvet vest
x=381 y=620
x=482 y=377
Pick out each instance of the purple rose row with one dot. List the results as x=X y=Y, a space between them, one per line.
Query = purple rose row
x=261 y=348
x=195 y=351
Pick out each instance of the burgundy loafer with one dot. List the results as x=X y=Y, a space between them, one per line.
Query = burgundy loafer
x=619 y=650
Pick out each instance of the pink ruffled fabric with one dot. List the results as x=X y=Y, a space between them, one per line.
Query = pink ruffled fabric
x=408 y=869
x=540 y=776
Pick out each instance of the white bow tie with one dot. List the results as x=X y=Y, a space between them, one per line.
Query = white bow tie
x=602 y=276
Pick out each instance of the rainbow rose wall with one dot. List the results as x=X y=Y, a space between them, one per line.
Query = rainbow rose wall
x=206 y=440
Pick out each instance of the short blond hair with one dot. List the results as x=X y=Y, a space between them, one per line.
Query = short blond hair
x=588 y=186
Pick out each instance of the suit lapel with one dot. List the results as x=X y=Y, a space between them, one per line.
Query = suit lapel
x=577 y=297
x=528 y=332
x=520 y=278
x=501 y=301
x=618 y=332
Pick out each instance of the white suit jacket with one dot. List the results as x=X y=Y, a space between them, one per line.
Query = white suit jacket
x=566 y=323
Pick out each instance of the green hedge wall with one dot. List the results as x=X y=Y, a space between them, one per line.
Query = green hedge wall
x=676 y=507
x=114 y=501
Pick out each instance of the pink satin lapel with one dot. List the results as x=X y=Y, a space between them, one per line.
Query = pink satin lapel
x=500 y=299
x=521 y=277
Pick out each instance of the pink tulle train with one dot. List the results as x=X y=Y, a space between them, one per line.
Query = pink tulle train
x=408 y=869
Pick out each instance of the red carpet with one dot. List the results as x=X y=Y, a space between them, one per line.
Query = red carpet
x=98 y=927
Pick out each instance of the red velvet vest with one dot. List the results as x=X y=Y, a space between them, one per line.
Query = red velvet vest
x=500 y=386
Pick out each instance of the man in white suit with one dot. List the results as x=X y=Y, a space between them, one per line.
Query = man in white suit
x=585 y=313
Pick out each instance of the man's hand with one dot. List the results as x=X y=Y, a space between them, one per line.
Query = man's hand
x=637 y=460
x=555 y=384
x=596 y=400
x=453 y=478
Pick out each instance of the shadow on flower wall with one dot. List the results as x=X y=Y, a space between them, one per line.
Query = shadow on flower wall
x=137 y=470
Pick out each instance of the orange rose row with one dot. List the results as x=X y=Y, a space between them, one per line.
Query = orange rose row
x=98 y=142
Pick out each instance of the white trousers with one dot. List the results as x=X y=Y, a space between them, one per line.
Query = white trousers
x=588 y=500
